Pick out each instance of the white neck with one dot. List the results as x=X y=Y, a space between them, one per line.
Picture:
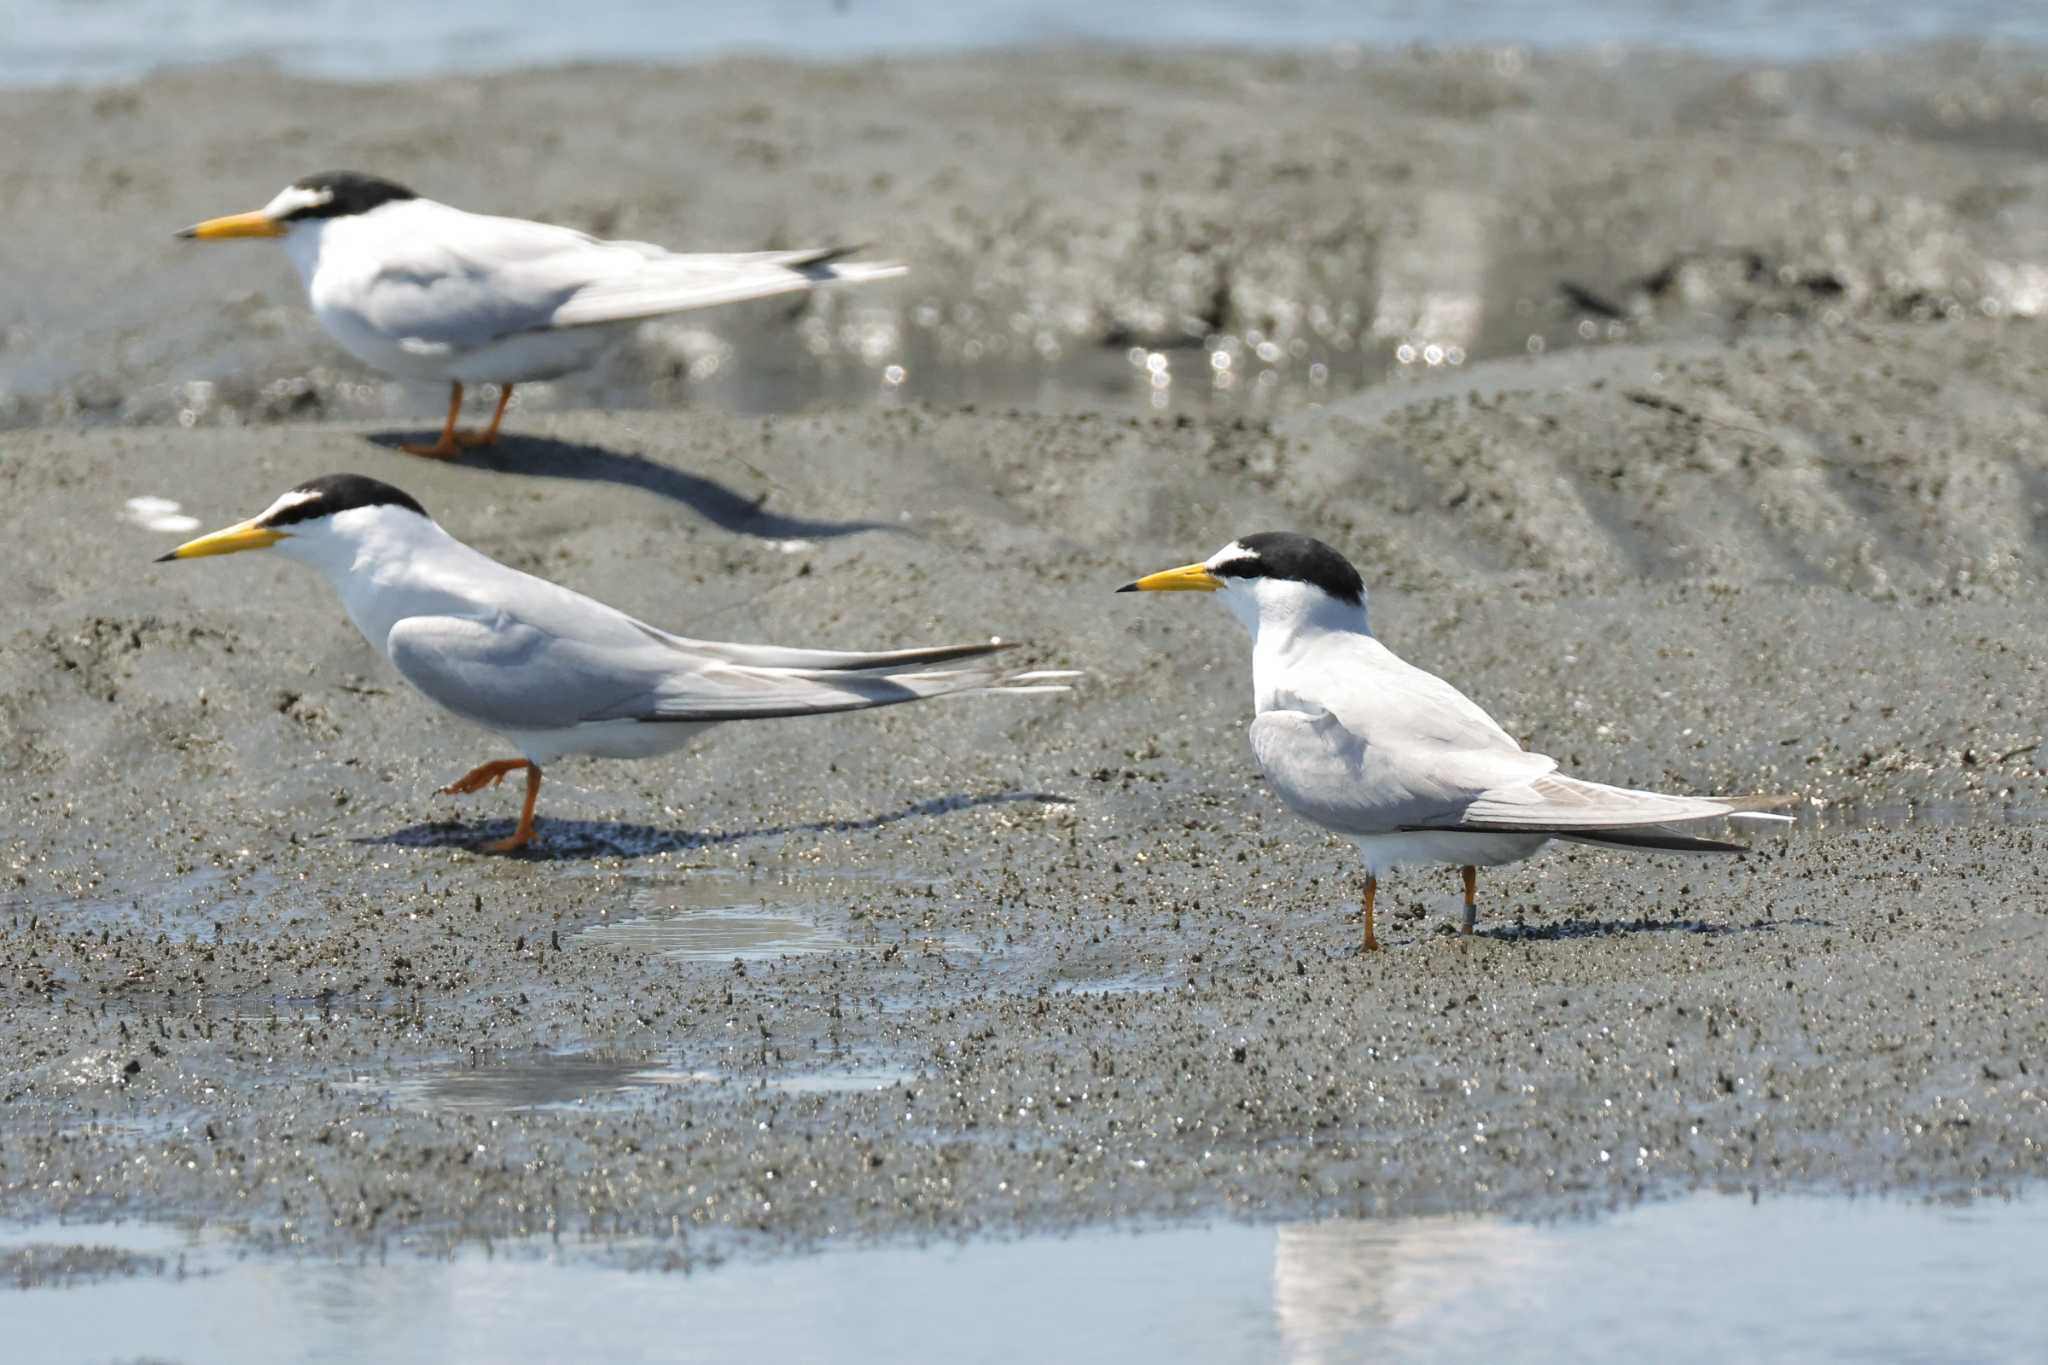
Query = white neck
x=1287 y=620
x=302 y=246
x=385 y=564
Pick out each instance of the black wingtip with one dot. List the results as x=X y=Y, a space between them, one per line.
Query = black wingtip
x=165 y=558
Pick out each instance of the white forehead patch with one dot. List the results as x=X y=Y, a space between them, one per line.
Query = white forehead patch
x=1233 y=551
x=284 y=500
x=292 y=198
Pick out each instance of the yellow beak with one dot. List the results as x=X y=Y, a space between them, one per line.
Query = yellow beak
x=235 y=225
x=1187 y=578
x=243 y=535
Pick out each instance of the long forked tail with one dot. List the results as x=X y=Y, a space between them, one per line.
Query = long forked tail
x=830 y=660
x=676 y=283
x=1614 y=817
x=762 y=683
x=1661 y=838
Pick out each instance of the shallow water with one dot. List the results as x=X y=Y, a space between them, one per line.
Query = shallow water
x=594 y=1080
x=704 y=914
x=1707 y=1277
x=113 y=39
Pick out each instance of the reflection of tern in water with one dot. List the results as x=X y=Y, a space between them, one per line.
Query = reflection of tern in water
x=1338 y=1285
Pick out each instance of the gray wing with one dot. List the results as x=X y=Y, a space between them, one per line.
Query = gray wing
x=1365 y=743
x=513 y=676
x=1566 y=805
x=468 y=279
x=1376 y=783
x=1374 y=745
x=673 y=283
x=480 y=278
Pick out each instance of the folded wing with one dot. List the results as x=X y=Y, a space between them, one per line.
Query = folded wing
x=468 y=279
x=513 y=676
x=1559 y=804
x=677 y=283
x=1391 y=748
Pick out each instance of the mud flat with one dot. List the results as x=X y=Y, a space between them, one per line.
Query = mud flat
x=1302 y=215
x=997 y=965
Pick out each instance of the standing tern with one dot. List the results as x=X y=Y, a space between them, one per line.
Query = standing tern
x=1395 y=759
x=424 y=291
x=550 y=670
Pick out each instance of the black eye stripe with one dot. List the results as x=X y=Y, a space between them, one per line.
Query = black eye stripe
x=1296 y=558
x=331 y=493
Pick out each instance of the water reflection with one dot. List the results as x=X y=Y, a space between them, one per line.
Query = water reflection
x=1708 y=1277
x=1341 y=1283
x=1431 y=280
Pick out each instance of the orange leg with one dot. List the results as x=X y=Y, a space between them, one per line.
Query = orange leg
x=1372 y=890
x=522 y=836
x=489 y=433
x=1471 y=896
x=445 y=448
x=489 y=775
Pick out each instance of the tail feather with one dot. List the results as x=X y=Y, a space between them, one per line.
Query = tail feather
x=1650 y=837
x=815 y=256
x=679 y=283
x=828 y=660
x=1556 y=802
x=780 y=693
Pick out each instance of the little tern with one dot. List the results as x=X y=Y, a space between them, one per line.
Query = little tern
x=1395 y=759
x=554 y=672
x=424 y=291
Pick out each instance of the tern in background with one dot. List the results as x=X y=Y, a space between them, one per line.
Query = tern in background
x=427 y=292
x=1395 y=759
x=552 y=671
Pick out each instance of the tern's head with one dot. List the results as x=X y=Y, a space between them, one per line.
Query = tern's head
x=1273 y=578
x=327 y=522
x=307 y=203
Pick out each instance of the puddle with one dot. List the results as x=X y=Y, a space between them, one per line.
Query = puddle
x=840 y=1082
x=716 y=915
x=1708 y=1277
x=567 y=1080
x=722 y=934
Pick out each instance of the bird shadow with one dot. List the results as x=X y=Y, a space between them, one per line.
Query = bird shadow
x=1608 y=928
x=559 y=840
x=723 y=507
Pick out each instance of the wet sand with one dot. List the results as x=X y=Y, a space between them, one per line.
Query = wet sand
x=1058 y=210
x=1019 y=963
